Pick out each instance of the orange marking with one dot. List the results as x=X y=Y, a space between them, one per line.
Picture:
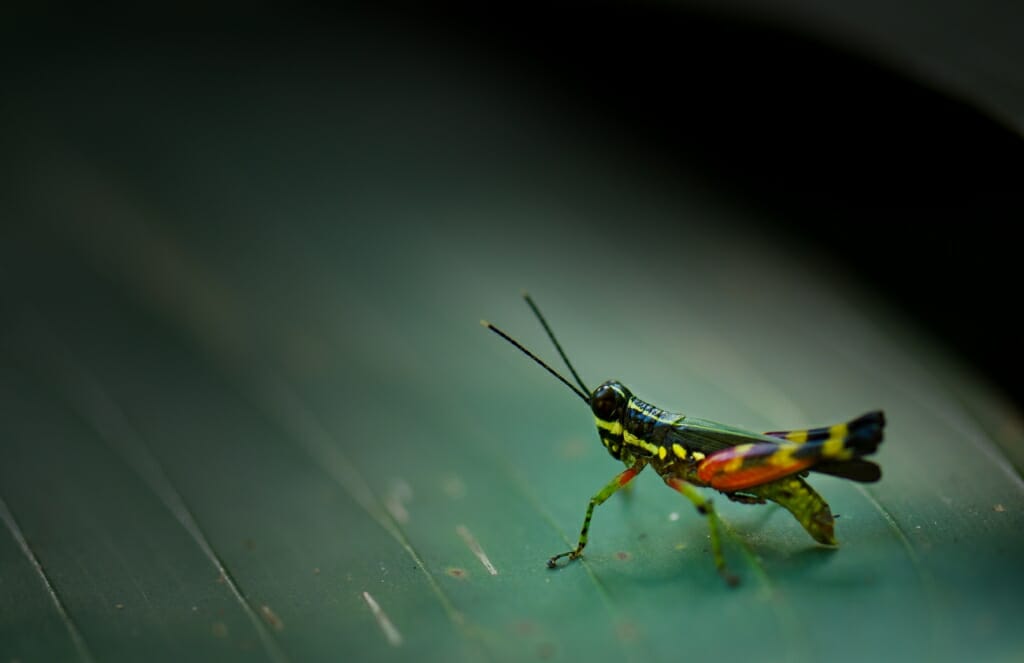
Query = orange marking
x=736 y=469
x=675 y=483
x=754 y=476
x=627 y=476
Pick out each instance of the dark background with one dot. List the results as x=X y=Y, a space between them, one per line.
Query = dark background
x=916 y=193
x=913 y=192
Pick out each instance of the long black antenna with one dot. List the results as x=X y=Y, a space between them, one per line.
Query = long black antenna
x=537 y=359
x=558 y=346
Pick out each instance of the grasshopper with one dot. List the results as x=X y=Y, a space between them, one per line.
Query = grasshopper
x=745 y=466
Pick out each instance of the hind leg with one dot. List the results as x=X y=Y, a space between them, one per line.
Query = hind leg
x=806 y=505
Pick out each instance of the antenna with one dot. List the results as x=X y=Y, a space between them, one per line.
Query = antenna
x=558 y=346
x=540 y=361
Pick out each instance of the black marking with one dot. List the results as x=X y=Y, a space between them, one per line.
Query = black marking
x=857 y=469
x=744 y=498
x=865 y=433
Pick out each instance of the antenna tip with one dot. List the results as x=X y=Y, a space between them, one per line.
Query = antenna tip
x=484 y=323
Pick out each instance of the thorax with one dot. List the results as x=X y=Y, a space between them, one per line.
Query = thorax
x=652 y=433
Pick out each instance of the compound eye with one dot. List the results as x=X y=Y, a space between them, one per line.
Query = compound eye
x=604 y=403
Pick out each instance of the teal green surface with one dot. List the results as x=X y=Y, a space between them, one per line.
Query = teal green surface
x=245 y=398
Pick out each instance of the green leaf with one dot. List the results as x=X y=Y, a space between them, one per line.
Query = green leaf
x=248 y=412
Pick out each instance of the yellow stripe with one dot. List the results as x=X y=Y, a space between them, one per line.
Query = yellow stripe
x=834 y=446
x=798 y=436
x=679 y=451
x=635 y=441
x=737 y=462
x=613 y=427
x=662 y=452
x=697 y=455
x=784 y=456
x=835 y=449
x=672 y=419
x=831 y=448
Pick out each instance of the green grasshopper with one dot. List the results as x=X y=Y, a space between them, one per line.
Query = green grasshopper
x=745 y=466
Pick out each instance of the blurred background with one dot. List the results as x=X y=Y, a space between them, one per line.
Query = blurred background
x=883 y=143
x=247 y=410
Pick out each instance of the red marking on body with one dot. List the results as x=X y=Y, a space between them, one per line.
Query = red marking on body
x=674 y=483
x=712 y=472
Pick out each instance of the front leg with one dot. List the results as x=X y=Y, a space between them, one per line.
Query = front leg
x=619 y=481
